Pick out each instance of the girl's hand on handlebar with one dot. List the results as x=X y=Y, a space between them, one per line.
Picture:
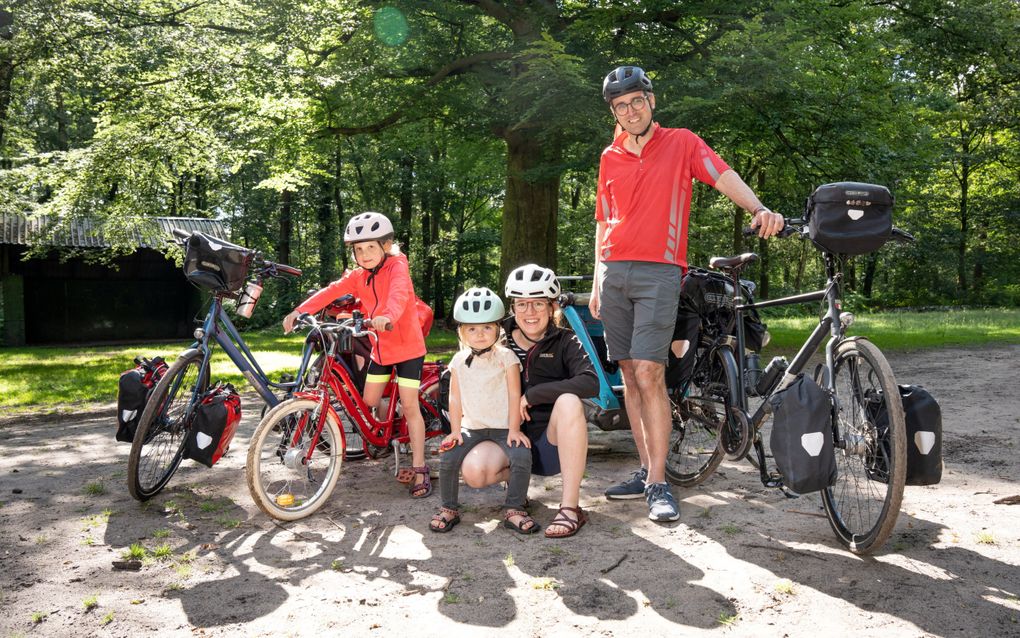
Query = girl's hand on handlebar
x=767 y=223
x=520 y=438
x=288 y=321
x=382 y=323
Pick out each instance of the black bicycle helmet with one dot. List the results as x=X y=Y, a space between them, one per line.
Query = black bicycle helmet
x=623 y=80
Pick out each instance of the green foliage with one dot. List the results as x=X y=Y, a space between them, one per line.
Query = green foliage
x=285 y=119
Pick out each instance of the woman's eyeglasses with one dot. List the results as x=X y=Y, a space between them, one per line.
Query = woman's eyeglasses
x=538 y=305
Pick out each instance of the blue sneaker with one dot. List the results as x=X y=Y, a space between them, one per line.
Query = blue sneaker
x=634 y=487
x=662 y=506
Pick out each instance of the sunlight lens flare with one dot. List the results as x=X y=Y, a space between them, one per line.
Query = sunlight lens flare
x=391 y=26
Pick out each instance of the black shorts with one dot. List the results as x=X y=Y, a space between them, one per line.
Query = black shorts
x=545 y=457
x=408 y=372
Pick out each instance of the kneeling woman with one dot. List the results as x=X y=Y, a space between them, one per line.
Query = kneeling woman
x=557 y=374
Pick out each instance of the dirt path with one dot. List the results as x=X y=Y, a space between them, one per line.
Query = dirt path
x=743 y=560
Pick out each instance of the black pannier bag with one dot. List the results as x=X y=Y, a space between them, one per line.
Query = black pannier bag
x=924 y=437
x=850 y=218
x=706 y=305
x=801 y=439
x=214 y=425
x=133 y=392
x=216 y=264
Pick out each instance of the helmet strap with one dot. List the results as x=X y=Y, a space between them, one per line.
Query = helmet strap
x=477 y=353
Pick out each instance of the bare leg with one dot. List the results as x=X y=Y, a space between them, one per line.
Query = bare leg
x=485 y=465
x=568 y=431
x=632 y=401
x=655 y=416
x=415 y=429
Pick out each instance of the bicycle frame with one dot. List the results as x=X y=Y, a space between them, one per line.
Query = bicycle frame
x=218 y=327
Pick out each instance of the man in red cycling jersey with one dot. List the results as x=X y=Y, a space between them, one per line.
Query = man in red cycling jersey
x=642 y=209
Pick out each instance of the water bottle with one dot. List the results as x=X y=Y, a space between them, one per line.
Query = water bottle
x=246 y=302
x=752 y=372
x=771 y=375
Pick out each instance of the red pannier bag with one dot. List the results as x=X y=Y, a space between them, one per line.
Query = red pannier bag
x=133 y=392
x=216 y=419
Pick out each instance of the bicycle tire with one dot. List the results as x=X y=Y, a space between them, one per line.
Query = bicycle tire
x=698 y=417
x=280 y=482
x=864 y=503
x=158 y=446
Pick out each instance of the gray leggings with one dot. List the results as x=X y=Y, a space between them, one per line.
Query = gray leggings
x=520 y=467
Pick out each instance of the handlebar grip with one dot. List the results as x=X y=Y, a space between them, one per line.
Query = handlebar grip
x=287 y=270
x=787 y=230
x=902 y=236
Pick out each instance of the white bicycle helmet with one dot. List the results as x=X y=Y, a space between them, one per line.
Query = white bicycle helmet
x=478 y=305
x=368 y=226
x=531 y=281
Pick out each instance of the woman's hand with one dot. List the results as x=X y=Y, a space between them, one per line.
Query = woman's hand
x=518 y=437
x=524 y=409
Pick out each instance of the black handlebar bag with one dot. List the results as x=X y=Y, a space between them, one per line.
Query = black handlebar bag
x=216 y=264
x=801 y=439
x=850 y=218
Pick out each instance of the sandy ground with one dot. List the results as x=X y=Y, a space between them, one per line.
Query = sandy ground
x=743 y=560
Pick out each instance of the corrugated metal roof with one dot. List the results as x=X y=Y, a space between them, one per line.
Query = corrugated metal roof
x=21 y=229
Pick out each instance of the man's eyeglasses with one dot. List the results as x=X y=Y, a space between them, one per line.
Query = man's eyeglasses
x=638 y=104
x=538 y=306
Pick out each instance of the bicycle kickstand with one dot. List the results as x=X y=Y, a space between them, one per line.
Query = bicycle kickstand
x=396 y=457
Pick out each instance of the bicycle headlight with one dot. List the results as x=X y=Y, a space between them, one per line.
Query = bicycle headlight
x=199 y=334
x=846 y=318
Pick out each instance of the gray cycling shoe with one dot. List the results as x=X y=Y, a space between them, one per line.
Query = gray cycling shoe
x=662 y=506
x=634 y=487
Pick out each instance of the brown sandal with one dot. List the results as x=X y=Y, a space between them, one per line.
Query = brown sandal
x=423 y=489
x=440 y=524
x=520 y=526
x=563 y=520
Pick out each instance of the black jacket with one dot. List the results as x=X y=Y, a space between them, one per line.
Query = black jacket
x=556 y=365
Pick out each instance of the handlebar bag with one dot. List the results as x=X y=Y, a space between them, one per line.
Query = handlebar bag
x=801 y=439
x=216 y=264
x=850 y=218
x=924 y=437
x=216 y=419
x=133 y=392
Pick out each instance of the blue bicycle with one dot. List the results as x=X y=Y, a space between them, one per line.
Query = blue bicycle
x=229 y=272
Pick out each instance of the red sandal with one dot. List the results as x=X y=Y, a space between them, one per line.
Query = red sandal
x=423 y=489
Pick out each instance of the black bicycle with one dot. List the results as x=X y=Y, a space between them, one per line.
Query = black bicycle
x=722 y=409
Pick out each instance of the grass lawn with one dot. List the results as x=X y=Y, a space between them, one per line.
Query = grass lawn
x=48 y=378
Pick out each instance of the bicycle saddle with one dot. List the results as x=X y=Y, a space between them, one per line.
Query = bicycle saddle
x=727 y=263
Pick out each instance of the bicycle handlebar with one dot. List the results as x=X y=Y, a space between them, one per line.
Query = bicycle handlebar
x=269 y=268
x=798 y=225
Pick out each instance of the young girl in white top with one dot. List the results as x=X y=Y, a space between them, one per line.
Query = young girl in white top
x=485 y=391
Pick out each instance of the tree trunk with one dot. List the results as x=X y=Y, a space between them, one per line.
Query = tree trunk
x=531 y=202
x=328 y=236
x=338 y=202
x=870 y=266
x=6 y=77
x=961 y=248
x=283 y=246
x=406 y=202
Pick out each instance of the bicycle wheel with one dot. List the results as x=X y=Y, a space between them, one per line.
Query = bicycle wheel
x=698 y=417
x=158 y=446
x=871 y=458
x=282 y=482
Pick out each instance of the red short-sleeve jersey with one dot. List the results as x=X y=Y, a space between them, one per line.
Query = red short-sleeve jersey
x=645 y=200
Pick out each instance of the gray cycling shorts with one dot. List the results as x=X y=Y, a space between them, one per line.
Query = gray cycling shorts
x=638 y=307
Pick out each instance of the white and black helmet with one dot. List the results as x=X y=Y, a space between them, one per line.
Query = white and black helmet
x=478 y=305
x=368 y=226
x=531 y=281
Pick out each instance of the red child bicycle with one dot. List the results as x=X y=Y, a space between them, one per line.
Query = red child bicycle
x=296 y=452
